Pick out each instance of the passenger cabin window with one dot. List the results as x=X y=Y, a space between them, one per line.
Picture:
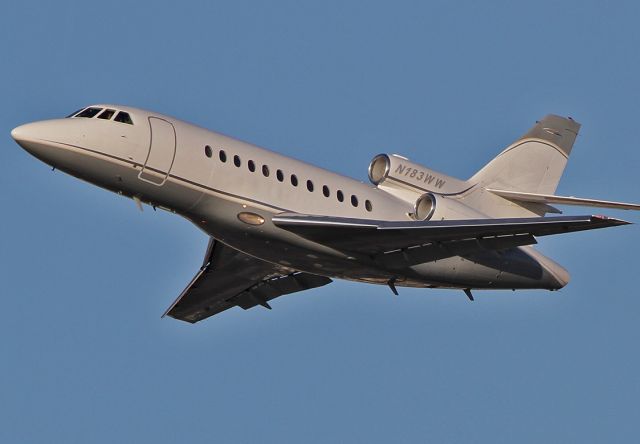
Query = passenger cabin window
x=309 y=185
x=325 y=191
x=252 y=166
x=236 y=161
x=223 y=156
x=265 y=171
x=280 y=175
x=367 y=205
x=123 y=117
x=89 y=112
x=340 y=196
x=207 y=151
x=294 y=180
x=354 y=200
x=107 y=114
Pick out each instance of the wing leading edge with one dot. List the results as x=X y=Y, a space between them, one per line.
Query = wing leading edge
x=229 y=277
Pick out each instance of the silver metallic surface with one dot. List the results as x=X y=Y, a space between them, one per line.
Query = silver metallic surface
x=425 y=207
x=280 y=226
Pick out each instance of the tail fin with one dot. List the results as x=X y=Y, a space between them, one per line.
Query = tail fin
x=533 y=164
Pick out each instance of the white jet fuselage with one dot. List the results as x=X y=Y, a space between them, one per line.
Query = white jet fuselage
x=232 y=190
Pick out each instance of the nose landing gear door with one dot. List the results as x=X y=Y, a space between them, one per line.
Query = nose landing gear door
x=162 y=152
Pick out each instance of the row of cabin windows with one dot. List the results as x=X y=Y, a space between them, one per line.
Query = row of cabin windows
x=222 y=155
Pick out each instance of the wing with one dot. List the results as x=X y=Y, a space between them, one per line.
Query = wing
x=375 y=237
x=229 y=277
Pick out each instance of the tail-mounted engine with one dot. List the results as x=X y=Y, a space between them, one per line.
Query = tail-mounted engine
x=434 y=196
x=425 y=207
x=396 y=170
x=431 y=206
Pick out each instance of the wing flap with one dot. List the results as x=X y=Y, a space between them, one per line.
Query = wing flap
x=264 y=291
x=434 y=251
x=564 y=200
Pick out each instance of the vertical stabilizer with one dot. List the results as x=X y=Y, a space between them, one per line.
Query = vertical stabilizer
x=532 y=164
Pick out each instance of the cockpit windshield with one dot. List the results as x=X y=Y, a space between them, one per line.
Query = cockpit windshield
x=89 y=112
x=107 y=114
x=124 y=118
x=103 y=113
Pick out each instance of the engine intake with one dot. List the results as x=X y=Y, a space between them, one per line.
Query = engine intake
x=399 y=171
x=425 y=207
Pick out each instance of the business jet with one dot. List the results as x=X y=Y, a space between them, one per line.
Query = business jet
x=278 y=225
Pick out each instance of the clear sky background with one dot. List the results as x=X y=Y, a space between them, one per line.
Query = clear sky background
x=84 y=355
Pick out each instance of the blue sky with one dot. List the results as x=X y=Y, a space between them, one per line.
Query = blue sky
x=85 y=276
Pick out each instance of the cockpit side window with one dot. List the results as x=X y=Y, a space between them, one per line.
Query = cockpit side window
x=74 y=113
x=107 y=114
x=89 y=112
x=124 y=118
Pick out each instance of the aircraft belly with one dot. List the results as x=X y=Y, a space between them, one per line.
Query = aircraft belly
x=515 y=268
x=218 y=215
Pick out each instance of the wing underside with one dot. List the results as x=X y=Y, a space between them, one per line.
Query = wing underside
x=375 y=237
x=229 y=277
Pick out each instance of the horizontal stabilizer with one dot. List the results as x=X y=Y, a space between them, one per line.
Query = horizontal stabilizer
x=564 y=200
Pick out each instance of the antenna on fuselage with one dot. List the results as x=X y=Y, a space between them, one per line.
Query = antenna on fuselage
x=392 y=285
x=138 y=202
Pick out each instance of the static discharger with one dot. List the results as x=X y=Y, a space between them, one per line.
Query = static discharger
x=138 y=202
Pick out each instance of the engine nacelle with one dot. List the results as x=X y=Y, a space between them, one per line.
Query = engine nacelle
x=430 y=206
x=394 y=170
x=434 y=196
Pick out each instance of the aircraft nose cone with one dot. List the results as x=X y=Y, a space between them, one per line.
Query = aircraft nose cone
x=19 y=133
x=25 y=136
x=34 y=138
x=29 y=132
